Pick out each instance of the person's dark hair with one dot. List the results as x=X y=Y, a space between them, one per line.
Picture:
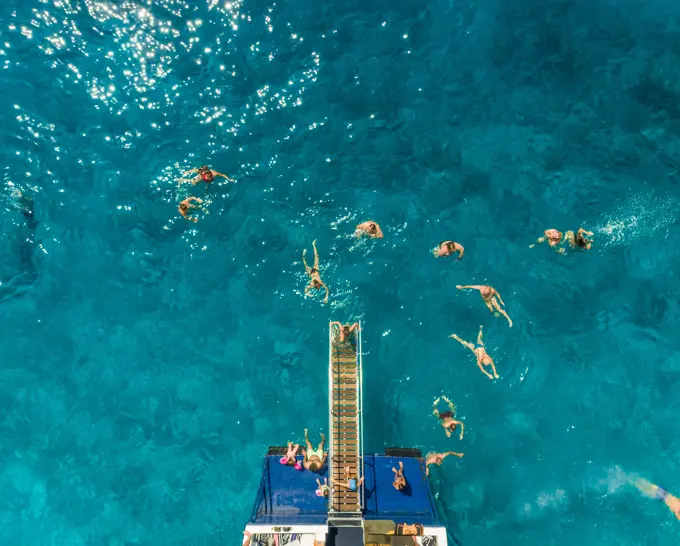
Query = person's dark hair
x=452 y=426
x=581 y=240
x=400 y=485
x=183 y=206
x=313 y=467
x=203 y=169
x=372 y=227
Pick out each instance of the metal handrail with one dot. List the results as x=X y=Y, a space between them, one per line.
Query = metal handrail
x=330 y=415
x=360 y=403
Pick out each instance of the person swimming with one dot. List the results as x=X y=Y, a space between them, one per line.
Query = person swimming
x=345 y=330
x=553 y=237
x=369 y=228
x=186 y=206
x=313 y=272
x=483 y=358
x=438 y=459
x=203 y=174
x=653 y=491
x=314 y=459
x=352 y=483
x=491 y=298
x=446 y=248
x=446 y=419
x=399 y=482
x=578 y=239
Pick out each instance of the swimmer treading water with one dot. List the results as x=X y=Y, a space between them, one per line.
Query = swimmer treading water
x=447 y=248
x=203 y=174
x=185 y=207
x=578 y=239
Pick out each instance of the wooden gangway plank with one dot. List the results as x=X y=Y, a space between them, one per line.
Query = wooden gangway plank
x=345 y=423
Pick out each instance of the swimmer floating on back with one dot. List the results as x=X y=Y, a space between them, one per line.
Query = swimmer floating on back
x=186 y=206
x=578 y=239
x=653 y=491
x=446 y=248
x=313 y=272
x=483 y=358
x=438 y=459
x=446 y=419
x=203 y=174
x=369 y=228
x=491 y=298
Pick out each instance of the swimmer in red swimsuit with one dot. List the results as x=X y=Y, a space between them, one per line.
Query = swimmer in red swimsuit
x=446 y=419
x=203 y=174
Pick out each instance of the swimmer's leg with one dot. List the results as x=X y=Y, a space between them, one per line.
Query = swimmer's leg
x=307 y=268
x=316 y=255
x=451 y=405
x=501 y=311
x=493 y=367
x=480 y=341
x=481 y=367
x=462 y=342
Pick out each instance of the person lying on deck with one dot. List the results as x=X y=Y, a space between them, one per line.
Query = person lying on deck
x=438 y=458
x=483 y=358
x=313 y=272
x=314 y=459
x=323 y=490
x=289 y=459
x=352 y=484
x=399 y=482
x=345 y=330
x=446 y=419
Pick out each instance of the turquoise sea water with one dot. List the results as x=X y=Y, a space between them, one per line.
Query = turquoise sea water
x=147 y=362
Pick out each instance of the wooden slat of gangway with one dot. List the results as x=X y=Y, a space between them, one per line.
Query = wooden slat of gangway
x=344 y=377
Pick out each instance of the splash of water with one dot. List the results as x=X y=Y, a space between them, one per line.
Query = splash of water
x=640 y=216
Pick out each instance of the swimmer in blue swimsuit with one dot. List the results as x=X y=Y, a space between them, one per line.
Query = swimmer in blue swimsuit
x=352 y=483
x=653 y=491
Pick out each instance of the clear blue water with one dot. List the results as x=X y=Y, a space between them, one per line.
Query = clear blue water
x=148 y=362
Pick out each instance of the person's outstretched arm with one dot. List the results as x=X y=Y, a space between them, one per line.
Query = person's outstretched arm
x=215 y=173
x=471 y=286
x=460 y=250
x=462 y=427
